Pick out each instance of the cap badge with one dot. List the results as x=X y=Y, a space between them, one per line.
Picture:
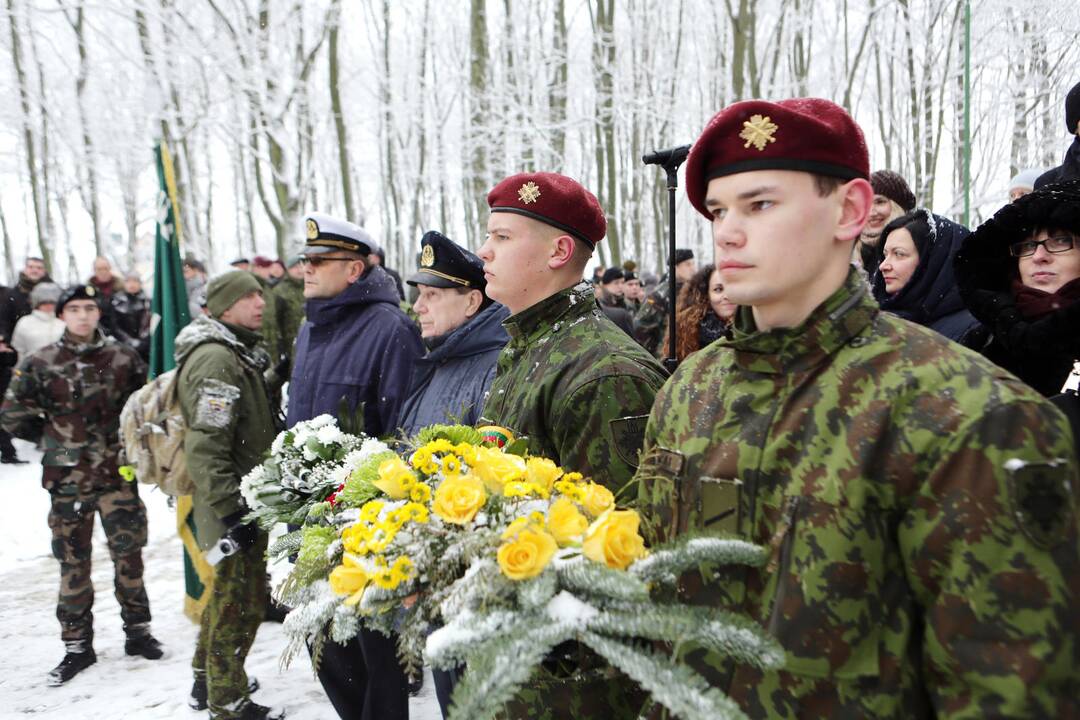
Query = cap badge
x=427 y=257
x=758 y=131
x=90 y=290
x=529 y=193
x=312 y=229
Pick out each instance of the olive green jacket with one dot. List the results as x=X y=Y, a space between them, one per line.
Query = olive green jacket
x=230 y=422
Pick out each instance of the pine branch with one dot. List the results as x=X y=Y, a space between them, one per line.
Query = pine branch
x=715 y=630
x=588 y=578
x=675 y=686
x=497 y=669
x=666 y=563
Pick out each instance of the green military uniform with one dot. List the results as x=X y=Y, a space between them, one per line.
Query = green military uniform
x=230 y=422
x=576 y=386
x=68 y=397
x=573 y=383
x=289 y=297
x=651 y=320
x=919 y=503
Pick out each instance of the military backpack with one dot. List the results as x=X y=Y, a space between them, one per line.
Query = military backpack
x=152 y=428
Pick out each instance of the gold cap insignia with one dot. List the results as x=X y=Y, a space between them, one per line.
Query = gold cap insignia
x=90 y=290
x=758 y=131
x=529 y=193
x=427 y=257
x=312 y=229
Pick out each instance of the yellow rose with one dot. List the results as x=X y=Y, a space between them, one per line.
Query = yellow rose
x=542 y=472
x=613 y=539
x=566 y=522
x=395 y=478
x=350 y=579
x=598 y=499
x=526 y=554
x=497 y=468
x=458 y=499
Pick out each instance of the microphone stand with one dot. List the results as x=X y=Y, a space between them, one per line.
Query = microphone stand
x=670 y=160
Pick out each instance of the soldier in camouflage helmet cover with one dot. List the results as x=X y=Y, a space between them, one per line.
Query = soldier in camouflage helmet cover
x=67 y=397
x=919 y=504
x=569 y=380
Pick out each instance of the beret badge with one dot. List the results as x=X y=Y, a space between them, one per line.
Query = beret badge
x=90 y=291
x=529 y=193
x=758 y=131
x=427 y=257
x=312 y=229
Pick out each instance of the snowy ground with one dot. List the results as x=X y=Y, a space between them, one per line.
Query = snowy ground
x=119 y=686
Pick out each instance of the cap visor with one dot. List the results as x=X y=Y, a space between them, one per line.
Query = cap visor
x=426 y=278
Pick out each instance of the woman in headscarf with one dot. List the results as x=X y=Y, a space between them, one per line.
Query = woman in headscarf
x=915 y=277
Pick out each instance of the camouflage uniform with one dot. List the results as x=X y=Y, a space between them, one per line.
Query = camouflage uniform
x=230 y=426
x=68 y=397
x=919 y=505
x=578 y=388
x=651 y=320
x=289 y=297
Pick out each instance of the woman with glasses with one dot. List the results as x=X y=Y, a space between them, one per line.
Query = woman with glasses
x=915 y=277
x=1019 y=274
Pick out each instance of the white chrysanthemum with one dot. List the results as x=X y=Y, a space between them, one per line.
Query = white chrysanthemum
x=329 y=435
x=279 y=444
x=321 y=421
x=250 y=486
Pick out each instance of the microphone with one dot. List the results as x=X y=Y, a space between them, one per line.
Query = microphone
x=669 y=156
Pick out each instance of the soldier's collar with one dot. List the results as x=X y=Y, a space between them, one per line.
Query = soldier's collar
x=835 y=323
x=551 y=312
x=96 y=341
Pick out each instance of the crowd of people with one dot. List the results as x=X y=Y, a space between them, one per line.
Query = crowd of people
x=862 y=390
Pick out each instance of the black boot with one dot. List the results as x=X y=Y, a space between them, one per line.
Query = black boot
x=72 y=664
x=141 y=642
x=198 y=700
x=254 y=711
x=416 y=684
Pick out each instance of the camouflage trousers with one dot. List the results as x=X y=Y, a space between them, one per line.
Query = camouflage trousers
x=71 y=519
x=229 y=622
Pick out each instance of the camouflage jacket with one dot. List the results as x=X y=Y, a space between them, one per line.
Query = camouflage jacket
x=67 y=397
x=230 y=421
x=288 y=296
x=651 y=319
x=920 y=509
x=576 y=386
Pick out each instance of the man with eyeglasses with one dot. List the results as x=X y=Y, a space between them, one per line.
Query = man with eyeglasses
x=356 y=347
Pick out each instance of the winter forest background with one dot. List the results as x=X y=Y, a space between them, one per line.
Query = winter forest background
x=401 y=115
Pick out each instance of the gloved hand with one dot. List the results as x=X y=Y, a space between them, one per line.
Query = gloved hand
x=244 y=534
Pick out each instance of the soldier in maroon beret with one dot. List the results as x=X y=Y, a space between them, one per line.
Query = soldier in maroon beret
x=889 y=473
x=570 y=381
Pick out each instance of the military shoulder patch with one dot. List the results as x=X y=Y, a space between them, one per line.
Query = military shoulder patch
x=1041 y=500
x=628 y=434
x=215 y=406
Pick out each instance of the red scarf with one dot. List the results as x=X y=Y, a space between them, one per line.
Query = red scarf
x=1034 y=304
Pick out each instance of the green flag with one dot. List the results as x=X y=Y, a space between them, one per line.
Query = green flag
x=170 y=309
x=170 y=303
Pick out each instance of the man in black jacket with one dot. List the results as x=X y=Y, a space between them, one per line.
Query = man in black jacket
x=14 y=304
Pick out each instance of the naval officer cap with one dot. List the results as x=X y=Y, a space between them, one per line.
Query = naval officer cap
x=326 y=234
x=445 y=264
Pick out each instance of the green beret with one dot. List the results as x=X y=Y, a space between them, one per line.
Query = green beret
x=224 y=290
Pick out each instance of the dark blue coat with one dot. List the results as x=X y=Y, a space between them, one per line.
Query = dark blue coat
x=359 y=346
x=449 y=384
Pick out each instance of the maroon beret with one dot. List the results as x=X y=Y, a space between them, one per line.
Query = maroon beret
x=553 y=199
x=806 y=134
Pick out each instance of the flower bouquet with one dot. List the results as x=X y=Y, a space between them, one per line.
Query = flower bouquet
x=509 y=556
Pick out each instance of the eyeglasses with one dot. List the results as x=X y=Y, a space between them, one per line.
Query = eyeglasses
x=317 y=260
x=1056 y=244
